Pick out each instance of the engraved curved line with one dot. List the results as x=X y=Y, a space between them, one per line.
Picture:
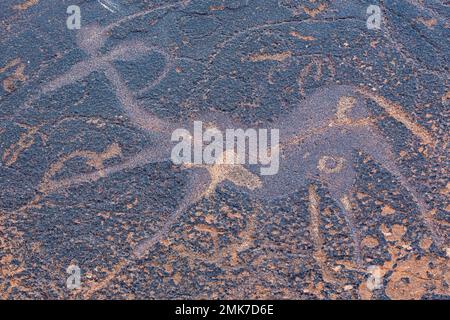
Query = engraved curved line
x=113 y=25
x=137 y=114
x=396 y=112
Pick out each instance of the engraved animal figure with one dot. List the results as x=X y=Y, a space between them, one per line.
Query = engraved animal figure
x=317 y=139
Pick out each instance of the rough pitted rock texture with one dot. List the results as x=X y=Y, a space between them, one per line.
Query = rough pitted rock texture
x=358 y=210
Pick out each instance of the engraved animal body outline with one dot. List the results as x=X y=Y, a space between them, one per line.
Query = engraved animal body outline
x=322 y=144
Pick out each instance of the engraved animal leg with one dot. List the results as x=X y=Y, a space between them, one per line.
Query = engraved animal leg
x=337 y=173
x=198 y=183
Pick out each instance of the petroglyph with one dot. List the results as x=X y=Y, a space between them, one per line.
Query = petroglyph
x=11 y=153
x=317 y=137
x=25 y=5
x=270 y=57
x=18 y=75
x=312 y=8
x=315 y=222
x=396 y=112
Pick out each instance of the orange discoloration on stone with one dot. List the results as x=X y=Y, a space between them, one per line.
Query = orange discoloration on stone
x=216 y=8
x=395 y=233
x=314 y=12
x=177 y=278
x=387 y=210
x=258 y=57
x=26 y=140
x=445 y=191
x=210 y=218
x=25 y=5
x=17 y=75
x=430 y=23
x=133 y=204
x=410 y=276
x=346 y=203
x=10 y=274
x=413 y=277
x=426 y=243
x=364 y=292
x=369 y=242
x=298 y=35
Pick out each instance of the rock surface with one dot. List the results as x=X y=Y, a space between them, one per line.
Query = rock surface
x=358 y=210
